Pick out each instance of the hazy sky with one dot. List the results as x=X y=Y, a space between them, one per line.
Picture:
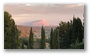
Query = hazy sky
x=52 y=13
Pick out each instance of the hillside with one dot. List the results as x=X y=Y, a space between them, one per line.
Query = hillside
x=36 y=23
x=25 y=30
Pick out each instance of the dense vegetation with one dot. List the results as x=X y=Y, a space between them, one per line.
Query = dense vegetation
x=68 y=35
x=11 y=33
x=71 y=34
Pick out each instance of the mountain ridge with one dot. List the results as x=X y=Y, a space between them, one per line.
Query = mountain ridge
x=36 y=23
x=25 y=30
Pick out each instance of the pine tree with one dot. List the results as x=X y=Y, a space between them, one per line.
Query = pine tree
x=43 y=38
x=31 y=39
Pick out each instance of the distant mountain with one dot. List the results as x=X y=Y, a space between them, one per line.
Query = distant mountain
x=36 y=23
x=25 y=30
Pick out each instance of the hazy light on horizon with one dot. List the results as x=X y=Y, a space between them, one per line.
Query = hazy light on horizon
x=52 y=13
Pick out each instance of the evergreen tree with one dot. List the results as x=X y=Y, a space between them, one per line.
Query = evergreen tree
x=57 y=39
x=63 y=27
x=70 y=31
x=77 y=30
x=7 y=26
x=31 y=39
x=11 y=32
x=14 y=36
x=51 y=39
x=80 y=30
x=68 y=35
x=43 y=38
x=54 y=39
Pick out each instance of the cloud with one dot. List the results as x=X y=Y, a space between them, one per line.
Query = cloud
x=44 y=8
x=74 y=5
x=27 y=11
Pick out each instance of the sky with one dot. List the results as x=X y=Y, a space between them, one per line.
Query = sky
x=52 y=13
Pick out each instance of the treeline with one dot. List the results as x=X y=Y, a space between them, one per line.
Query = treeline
x=68 y=35
x=71 y=35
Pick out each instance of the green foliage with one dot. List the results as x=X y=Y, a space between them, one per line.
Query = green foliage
x=31 y=39
x=77 y=45
x=43 y=38
x=69 y=32
x=11 y=32
x=51 y=39
x=48 y=40
x=65 y=36
x=38 y=40
x=57 y=41
x=54 y=39
x=22 y=47
x=77 y=30
x=19 y=42
x=63 y=28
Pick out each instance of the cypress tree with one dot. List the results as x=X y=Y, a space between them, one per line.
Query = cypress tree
x=43 y=38
x=57 y=39
x=80 y=30
x=74 y=30
x=51 y=39
x=31 y=39
x=54 y=39
x=77 y=30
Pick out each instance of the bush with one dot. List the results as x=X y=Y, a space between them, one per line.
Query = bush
x=77 y=45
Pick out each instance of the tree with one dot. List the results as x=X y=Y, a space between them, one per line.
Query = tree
x=54 y=39
x=69 y=32
x=51 y=39
x=57 y=41
x=11 y=33
x=63 y=27
x=43 y=38
x=80 y=30
x=77 y=29
x=14 y=36
x=31 y=39
x=68 y=35
x=7 y=26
